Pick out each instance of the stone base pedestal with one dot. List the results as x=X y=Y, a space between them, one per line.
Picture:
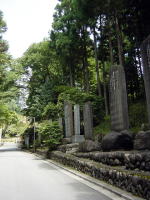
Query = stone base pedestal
x=78 y=138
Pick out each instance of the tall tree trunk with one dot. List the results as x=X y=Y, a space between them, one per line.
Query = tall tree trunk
x=138 y=53
x=119 y=42
x=96 y=64
x=110 y=44
x=4 y=129
x=71 y=73
x=85 y=63
x=105 y=91
x=71 y=77
x=85 y=74
x=139 y=61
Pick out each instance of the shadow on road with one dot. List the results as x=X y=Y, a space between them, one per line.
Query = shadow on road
x=46 y=166
x=7 y=150
x=9 y=147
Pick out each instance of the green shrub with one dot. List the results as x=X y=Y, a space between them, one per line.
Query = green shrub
x=51 y=111
x=51 y=134
x=16 y=129
x=77 y=96
x=104 y=127
x=137 y=115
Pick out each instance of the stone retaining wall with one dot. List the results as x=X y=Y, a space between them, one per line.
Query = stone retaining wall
x=139 y=161
x=42 y=152
x=108 y=158
x=131 y=160
x=136 y=183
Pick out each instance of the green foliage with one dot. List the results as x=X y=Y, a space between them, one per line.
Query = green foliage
x=7 y=116
x=29 y=130
x=104 y=127
x=3 y=28
x=98 y=110
x=137 y=115
x=51 y=133
x=51 y=111
x=9 y=75
x=70 y=66
x=46 y=74
x=74 y=95
x=18 y=128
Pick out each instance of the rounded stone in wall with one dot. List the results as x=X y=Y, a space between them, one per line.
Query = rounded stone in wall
x=89 y=145
x=142 y=140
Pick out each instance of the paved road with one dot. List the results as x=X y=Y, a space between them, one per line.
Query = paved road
x=24 y=176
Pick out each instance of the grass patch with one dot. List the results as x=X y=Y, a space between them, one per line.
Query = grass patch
x=104 y=127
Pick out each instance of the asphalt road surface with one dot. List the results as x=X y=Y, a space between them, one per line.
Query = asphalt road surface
x=24 y=176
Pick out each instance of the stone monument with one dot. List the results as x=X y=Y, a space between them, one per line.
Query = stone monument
x=119 y=138
x=77 y=137
x=27 y=143
x=88 y=120
x=118 y=100
x=68 y=120
x=145 y=50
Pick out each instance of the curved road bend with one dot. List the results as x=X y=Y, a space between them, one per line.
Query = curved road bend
x=24 y=176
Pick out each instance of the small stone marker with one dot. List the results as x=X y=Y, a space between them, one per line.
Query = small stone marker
x=77 y=119
x=145 y=50
x=77 y=137
x=88 y=120
x=27 y=141
x=68 y=120
x=118 y=99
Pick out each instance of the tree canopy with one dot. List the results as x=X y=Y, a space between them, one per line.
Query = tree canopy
x=9 y=75
x=86 y=40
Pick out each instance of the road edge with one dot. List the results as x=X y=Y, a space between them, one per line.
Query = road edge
x=106 y=186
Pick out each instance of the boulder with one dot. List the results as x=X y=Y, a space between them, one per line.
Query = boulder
x=142 y=140
x=117 y=141
x=89 y=145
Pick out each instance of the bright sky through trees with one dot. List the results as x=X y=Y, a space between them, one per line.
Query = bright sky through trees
x=28 y=21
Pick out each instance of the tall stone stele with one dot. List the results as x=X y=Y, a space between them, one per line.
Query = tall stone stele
x=68 y=120
x=119 y=137
x=88 y=120
x=77 y=138
x=145 y=50
x=118 y=99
